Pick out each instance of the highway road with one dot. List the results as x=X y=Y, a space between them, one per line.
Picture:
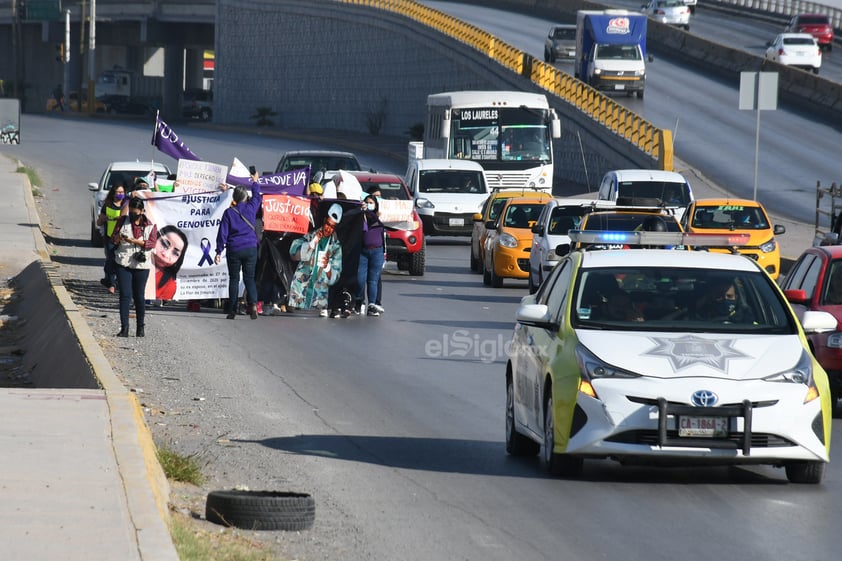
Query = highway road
x=395 y=424
x=710 y=133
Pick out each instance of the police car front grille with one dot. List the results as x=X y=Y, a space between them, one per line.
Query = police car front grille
x=650 y=438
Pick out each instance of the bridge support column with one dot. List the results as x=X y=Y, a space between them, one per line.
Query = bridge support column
x=173 y=82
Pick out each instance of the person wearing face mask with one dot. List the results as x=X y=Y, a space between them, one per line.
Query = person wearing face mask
x=721 y=303
x=319 y=256
x=371 y=256
x=134 y=237
x=237 y=235
x=112 y=208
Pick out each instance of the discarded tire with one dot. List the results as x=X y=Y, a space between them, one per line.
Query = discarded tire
x=261 y=510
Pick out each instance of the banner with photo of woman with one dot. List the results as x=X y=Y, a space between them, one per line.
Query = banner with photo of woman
x=187 y=222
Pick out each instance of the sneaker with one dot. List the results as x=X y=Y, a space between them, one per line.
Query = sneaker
x=274 y=310
x=323 y=313
x=372 y=311
x=260 y=308
x=380 y=309
x=336 y=314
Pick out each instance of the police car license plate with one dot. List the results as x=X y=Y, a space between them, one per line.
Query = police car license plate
x=710 y=427
x=456 y=222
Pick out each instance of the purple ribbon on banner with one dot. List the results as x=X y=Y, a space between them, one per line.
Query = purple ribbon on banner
x=206 y=247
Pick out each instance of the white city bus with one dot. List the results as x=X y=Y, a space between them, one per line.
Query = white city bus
x=508 y=133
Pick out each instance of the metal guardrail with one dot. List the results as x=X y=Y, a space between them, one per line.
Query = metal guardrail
x=655 y=142
x=789 y=8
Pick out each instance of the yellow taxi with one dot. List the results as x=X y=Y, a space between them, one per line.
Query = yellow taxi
x=489 y=212
x=744 y=216
x=508 y=239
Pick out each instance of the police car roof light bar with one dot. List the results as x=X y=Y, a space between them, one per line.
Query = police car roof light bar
x=661 y=239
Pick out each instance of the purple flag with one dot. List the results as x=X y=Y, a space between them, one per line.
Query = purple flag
x=168 y=142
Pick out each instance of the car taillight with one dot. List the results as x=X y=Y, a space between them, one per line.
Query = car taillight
x=780 y=51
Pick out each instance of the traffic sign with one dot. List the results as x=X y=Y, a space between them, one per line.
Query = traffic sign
x=43 y=10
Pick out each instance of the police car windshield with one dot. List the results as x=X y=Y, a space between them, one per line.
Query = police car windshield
x=675 y=299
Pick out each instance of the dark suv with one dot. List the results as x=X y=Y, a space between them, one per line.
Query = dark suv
x=318 y=160
x=197 y=104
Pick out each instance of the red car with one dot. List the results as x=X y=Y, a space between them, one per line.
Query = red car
x=404 y=238
x=815 y=283
x=817 y=25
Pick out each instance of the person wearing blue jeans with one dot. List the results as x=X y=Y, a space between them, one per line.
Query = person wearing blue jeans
x=134 y=237
x=371 y=256
x=237 y=235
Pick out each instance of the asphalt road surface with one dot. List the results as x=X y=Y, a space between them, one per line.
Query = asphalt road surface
x=395 y=424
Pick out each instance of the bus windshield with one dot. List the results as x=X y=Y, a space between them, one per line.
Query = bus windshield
x=500 y=135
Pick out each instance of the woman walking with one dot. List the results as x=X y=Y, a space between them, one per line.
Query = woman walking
x=237 y=235
x=134 y=238
x=372 y=256
x=112 y=209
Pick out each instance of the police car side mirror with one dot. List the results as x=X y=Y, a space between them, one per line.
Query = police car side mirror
x=538 y=229
x=562 y=249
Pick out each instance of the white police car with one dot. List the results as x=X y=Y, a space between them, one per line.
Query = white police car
x=657 y=356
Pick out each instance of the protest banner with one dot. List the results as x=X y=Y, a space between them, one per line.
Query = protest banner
x=283 y=213
x=396 y=212
x=195 y=176
x=182 y=261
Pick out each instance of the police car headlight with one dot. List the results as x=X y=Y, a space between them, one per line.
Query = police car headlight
x=507 y=240
x=424 y=203
x=801 y=373
x=769 y=246
x=597 y=71
x=591 y=367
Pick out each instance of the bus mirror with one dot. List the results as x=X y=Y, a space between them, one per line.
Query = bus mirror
x=445 y=127
x=556 y=127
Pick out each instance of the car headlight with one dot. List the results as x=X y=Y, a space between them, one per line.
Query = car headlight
x=424 y=203
x=507 y=240
x=639 y=72
x=597 y=71
x=834 y=341
x=801 y=373
x=769 y=246
x=591 y=367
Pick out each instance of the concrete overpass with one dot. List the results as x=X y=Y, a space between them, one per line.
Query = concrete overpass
x=152 y=38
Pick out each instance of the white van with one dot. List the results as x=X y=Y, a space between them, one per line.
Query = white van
x=647 y=187
x=447 y=194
